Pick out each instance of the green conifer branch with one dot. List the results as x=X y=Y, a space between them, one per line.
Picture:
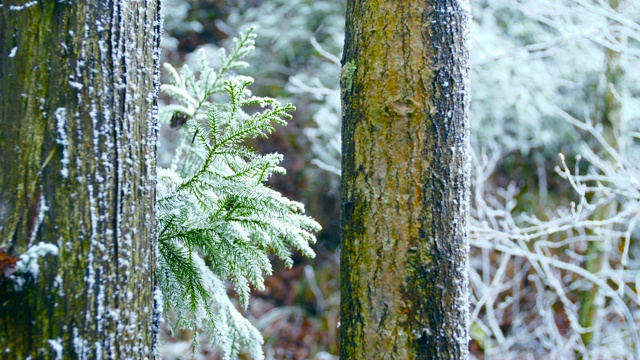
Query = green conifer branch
x=218 y=221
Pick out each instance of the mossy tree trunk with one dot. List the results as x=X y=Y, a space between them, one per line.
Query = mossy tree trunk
x=78 y=82
x=405 y=180
x=610 y=119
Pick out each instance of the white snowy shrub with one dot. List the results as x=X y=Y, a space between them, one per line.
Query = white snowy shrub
x=527 y=272
x=293 y=45
x=176 y=21
x=218 y=221
x=306 y=64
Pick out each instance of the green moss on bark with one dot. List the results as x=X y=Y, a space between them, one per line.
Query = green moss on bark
x=95 y=297
x=405 y=182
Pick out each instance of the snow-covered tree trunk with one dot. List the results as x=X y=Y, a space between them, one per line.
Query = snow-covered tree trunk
x=78 y=83
x=405 y=180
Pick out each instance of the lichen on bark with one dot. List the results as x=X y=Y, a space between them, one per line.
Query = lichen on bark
x=405 y=183
x=78 y=82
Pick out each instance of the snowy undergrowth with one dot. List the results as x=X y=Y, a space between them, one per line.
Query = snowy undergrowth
x=218 y=221
x=527 y=272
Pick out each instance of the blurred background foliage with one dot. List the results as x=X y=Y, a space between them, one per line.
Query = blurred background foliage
x=548 y=77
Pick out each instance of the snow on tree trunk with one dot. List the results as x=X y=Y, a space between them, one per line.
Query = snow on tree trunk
x=405 y=180
x=78 y=83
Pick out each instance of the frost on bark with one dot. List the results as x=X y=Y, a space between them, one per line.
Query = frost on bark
x=78 y=82
x=405 y=180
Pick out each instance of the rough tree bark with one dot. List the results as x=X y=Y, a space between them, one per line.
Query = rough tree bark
x=405 y=180
x=78 y=82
